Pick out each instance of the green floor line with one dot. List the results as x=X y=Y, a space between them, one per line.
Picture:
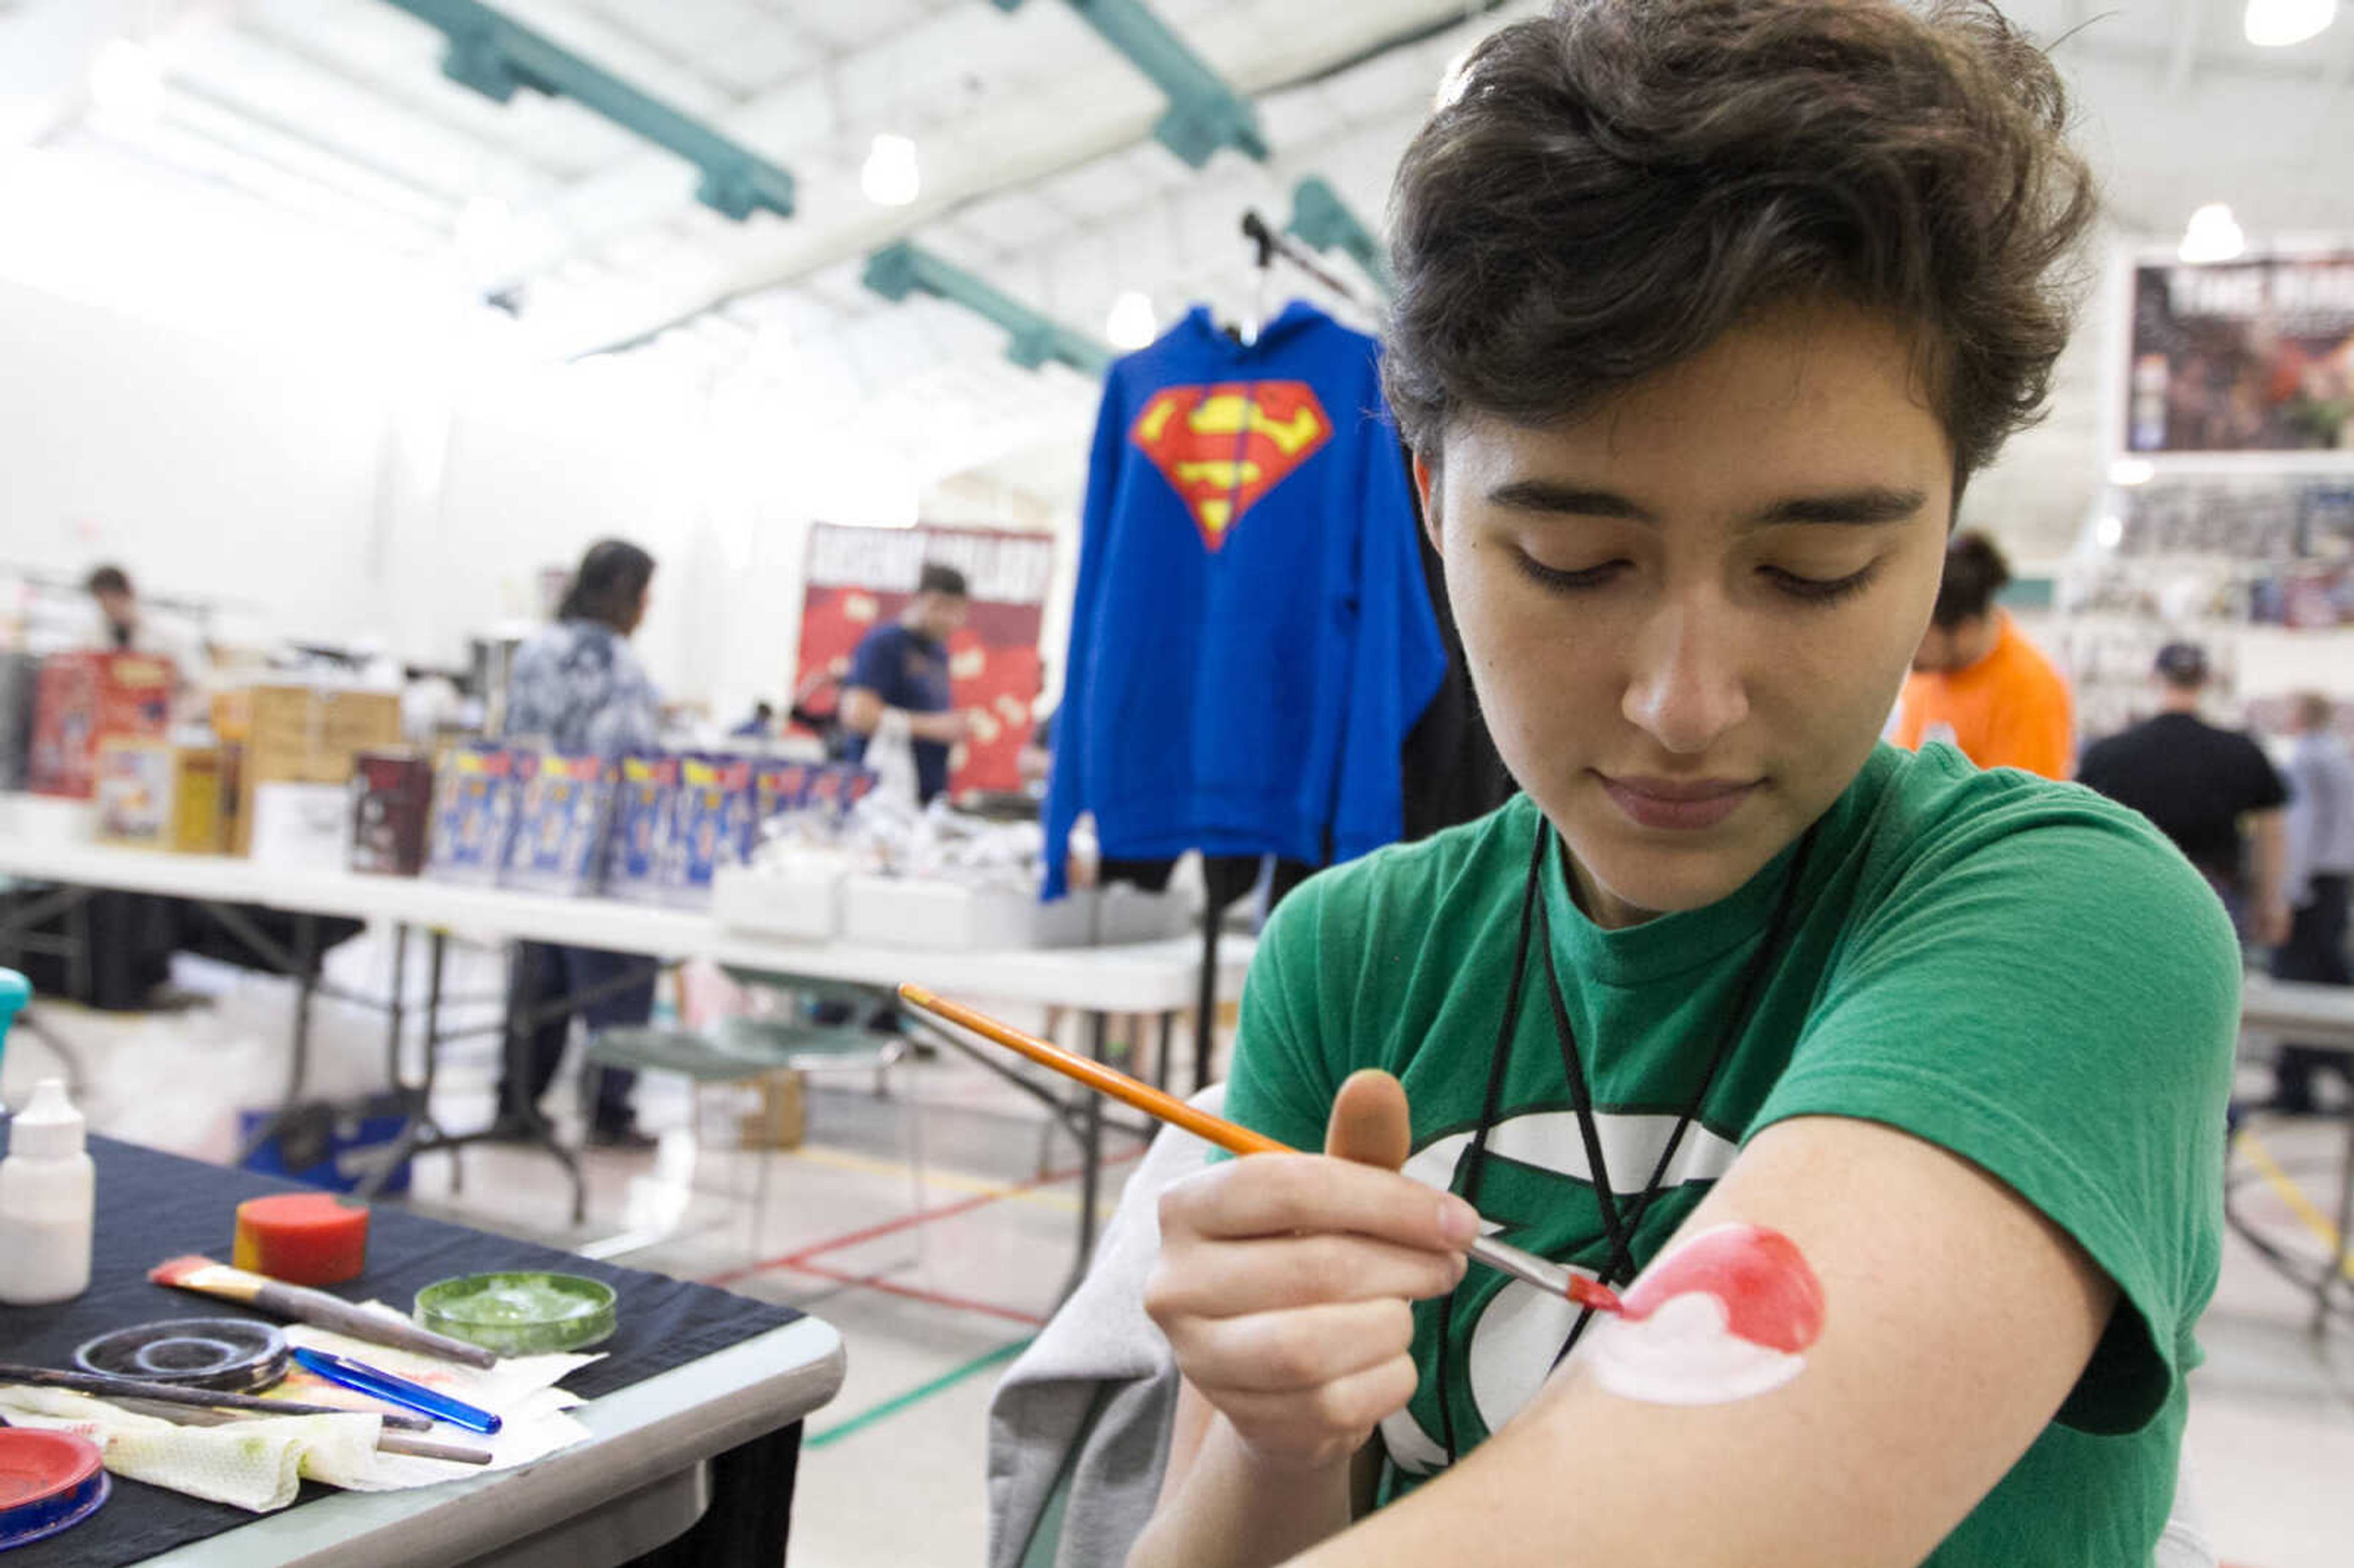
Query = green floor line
x=939 y=1384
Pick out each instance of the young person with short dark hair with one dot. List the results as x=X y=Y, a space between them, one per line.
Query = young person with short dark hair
x=898 y=714
x=1707 y=310
x=1977 y=684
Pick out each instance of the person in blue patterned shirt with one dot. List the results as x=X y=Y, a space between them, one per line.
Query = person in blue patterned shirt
x=578 y=688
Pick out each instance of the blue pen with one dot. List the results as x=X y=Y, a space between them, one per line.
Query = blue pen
x=380 y=1384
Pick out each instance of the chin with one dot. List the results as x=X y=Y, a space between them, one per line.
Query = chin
x=1664 y=880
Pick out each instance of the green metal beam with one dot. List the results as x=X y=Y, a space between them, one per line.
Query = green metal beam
x=495 y=55
x=897 y=270
x=1204 y=113
x=1321 y=219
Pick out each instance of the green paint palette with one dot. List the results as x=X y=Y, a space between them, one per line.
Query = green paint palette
x=530 y=1314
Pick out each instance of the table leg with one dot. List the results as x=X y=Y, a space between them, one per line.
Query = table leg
x=2335 y=1268
x=1090 y=1155
x=396 y=1009
x=1205 y=1017
x=1161 y=1053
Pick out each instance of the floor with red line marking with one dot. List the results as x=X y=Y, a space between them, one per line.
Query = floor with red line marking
x=2271 y=1437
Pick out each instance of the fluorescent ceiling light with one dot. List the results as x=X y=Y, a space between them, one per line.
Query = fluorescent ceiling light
x=2277 y=24
x=2132 y=472
x=126 y=80
x=889 y=178
x=2213 y=235
x=1131 y=324
x=2110 y=531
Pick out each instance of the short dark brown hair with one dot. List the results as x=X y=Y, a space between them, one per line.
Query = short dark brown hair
x=107 y=579
x=942 y=579
x=1619 y=181
x=1975 y=572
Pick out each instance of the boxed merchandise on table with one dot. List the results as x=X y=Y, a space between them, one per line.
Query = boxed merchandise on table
x=564 y=825
x=638 y=866
x=300 y=827
x=392 y=812
x=153 y=794
x=716 y=823
x=299 y=735
x=82 y=699
x=781 y=787
x=839 y=786
x=477 y=797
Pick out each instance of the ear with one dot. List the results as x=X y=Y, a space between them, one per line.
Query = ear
x=1425 y=491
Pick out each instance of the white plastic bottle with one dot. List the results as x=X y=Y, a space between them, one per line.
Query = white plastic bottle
x=49 y=1202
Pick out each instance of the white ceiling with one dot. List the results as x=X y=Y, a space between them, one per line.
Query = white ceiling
x=1039 y=170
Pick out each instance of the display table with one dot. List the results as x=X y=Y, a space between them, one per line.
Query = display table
x=694 y=1408
x=1097 y=983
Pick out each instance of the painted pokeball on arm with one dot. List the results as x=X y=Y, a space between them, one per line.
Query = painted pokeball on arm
x=1727 y=1315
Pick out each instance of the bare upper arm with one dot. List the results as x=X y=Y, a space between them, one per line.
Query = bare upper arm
x=1958 y=1318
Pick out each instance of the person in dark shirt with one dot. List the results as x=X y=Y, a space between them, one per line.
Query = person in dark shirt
x=2195 y=783
x=897 y=712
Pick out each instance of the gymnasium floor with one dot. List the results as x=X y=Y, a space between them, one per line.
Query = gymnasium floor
x=934 y=1298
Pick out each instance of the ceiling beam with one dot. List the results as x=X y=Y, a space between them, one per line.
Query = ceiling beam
x=1260 y=47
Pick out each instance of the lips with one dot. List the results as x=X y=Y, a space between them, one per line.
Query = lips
x=1677 y=805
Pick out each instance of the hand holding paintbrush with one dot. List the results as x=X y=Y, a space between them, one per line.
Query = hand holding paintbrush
x=1549 y=1277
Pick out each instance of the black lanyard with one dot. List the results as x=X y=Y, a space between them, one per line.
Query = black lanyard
x=1619 y=1229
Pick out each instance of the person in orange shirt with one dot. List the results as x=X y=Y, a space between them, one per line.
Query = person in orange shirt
x=1977 y=684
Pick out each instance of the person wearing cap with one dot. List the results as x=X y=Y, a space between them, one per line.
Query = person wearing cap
x=1977 y=684
x=2199 y=784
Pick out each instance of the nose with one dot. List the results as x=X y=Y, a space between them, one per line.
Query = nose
x=1686 y=686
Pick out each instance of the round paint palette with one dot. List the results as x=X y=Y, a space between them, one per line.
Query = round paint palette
x=50 y=1481
x=227 y=1355
x=520 y=1314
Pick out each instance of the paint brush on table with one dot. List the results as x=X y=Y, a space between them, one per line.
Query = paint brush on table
x=106 y=1387
x=316 y=1308
x=1549 y=1277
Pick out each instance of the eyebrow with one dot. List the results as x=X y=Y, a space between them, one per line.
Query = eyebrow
x=1865 y=506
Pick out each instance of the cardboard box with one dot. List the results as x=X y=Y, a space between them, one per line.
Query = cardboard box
x=392 y=812
x=947 y=916
x=301 y=734
x=82 y=699
x=563 y=826
x=782 y=1121
x=639 y=864
x=154 y=795
x=477 y=795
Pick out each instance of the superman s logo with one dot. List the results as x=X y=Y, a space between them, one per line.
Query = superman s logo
x=1223 y=447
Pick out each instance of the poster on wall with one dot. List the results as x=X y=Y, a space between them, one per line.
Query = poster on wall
x=860 y=578
x=2249 y=356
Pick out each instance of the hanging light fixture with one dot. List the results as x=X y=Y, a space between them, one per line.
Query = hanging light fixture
x=2277 y=24
x=2213 y=235
x=890 y=177
x=1131 y=324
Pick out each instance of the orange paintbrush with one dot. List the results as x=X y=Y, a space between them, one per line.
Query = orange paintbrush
x=1236 y=1139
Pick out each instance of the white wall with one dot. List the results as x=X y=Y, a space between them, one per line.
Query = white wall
x=205 y=472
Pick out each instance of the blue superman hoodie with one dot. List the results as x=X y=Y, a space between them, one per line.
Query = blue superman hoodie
x=1251 y=639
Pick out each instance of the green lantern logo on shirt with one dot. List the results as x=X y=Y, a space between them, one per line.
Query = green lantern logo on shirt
x=1539 y=1191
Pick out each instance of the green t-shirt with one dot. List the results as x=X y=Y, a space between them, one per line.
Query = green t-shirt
x=2014 y=970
